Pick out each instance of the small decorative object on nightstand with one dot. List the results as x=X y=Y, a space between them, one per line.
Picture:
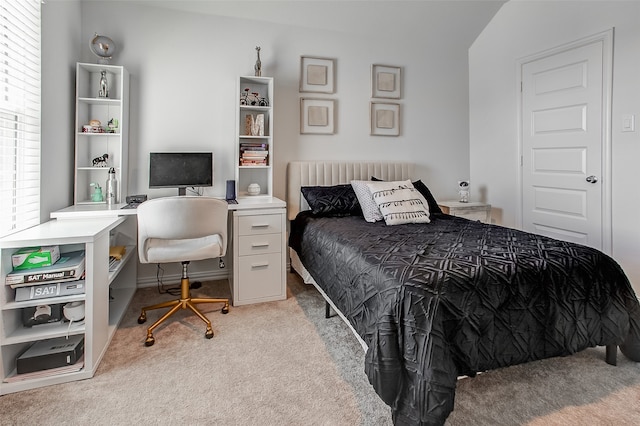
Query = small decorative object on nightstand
x=469 y=210
x=463 y=190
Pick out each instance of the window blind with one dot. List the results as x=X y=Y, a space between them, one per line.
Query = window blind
x=19 y=114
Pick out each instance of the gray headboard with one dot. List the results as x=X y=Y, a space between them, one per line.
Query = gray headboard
x=327 y=173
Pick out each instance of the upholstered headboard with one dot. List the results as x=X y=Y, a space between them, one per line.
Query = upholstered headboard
x=326 y=173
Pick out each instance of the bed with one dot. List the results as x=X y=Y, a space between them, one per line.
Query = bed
x=430 y=302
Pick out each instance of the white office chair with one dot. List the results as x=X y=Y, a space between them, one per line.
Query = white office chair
x=181 y=229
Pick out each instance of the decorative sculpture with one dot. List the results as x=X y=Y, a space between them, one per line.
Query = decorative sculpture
x=103 y=47
x=104 y=86
x=258 y=65
x=100 y=161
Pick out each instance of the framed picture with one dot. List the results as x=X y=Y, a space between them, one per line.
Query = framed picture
x=317 y=116
x=385 y=119
x=317 y=74
x=385 y=81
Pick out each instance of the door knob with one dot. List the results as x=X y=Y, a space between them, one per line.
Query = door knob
x=592 y=179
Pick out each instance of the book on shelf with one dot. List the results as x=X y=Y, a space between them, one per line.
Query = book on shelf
x=262 y=147
x=259 y=154
x=44 y=291
x=245 y=162
x=69 y=267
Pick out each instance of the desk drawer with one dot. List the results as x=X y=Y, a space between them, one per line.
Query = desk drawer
x=259 y=244
x=260 y=224
x=261 y=277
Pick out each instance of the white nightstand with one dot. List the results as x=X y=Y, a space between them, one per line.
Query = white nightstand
x=471 y=210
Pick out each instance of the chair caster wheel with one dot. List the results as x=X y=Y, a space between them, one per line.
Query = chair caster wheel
x=225 y=310
x=142 y=318
x=150 y=341
x=208 y=334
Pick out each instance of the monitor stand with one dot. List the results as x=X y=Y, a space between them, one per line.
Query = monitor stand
x=182 y=191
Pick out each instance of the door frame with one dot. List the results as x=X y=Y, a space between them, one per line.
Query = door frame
x=606 y=38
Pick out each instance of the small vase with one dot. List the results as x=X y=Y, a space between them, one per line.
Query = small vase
x=253 y=189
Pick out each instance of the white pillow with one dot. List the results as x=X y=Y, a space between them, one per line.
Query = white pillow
x=399 y=202
x=370 y=209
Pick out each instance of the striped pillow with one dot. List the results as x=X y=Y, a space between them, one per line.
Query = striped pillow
x=399 y=202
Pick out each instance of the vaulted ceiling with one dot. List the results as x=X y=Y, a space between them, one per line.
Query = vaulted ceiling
x=401 y=19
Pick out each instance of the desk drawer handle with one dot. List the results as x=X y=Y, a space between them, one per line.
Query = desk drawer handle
x=257 y=245
x=260 y=225
x=260 y=265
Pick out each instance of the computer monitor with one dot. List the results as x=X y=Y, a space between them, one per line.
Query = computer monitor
x=180 y=170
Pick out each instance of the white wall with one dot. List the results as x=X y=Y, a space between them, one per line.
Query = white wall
x=184 y=67
x=60 y=46
x=523 y=28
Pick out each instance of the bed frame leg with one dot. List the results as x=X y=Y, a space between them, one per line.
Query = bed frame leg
x=611 y=354
x=327 y=310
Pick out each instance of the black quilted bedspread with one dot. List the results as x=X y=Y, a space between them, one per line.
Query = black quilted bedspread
x=454 y=297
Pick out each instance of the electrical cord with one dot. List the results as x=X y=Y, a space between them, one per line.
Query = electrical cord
x=196 y=190
x=174 y=291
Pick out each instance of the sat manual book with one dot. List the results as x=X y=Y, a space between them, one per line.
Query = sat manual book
x=43 y=291
x=69 y=267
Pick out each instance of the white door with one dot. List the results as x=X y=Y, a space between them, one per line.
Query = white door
x=564 y=137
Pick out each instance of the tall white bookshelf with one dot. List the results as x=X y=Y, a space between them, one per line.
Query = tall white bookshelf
x=258 y=101
x=113 y=141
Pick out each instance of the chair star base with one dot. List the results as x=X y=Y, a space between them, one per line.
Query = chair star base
x=185 y=302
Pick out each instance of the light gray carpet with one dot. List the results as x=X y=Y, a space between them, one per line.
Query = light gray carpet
x=283 y=363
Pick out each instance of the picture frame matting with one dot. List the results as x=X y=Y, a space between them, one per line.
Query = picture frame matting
x=386 y=81
x=317 y=75
x=317 y=116
x=385 y=119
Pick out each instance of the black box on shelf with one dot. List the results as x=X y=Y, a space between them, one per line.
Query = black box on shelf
x=51 y=353
x=41 y=314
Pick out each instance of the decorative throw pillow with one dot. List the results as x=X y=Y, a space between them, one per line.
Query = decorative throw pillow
x=424 y=190
x=399 y=202
x=370 y=209
x=338 y=200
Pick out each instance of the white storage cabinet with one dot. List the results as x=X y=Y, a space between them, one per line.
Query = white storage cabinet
x=107 y=296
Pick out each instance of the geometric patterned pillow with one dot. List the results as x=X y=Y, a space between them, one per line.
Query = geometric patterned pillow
x=399 y=202
x=370 y=209
x=424 y=190
x=337 y=200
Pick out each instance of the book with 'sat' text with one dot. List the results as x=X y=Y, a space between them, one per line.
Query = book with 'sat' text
x=43 y=291
x=69 y=267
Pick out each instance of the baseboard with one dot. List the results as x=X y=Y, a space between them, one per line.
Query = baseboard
x=195 y=276
x=175 y=278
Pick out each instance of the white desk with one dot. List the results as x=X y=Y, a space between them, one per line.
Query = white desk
x=257 y=242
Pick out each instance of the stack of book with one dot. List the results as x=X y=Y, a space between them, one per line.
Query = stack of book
x=65 y=277
x=254 y=154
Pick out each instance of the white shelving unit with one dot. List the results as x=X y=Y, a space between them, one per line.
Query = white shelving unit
x=91 y=106
x=260 y=174
x=107 y=296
